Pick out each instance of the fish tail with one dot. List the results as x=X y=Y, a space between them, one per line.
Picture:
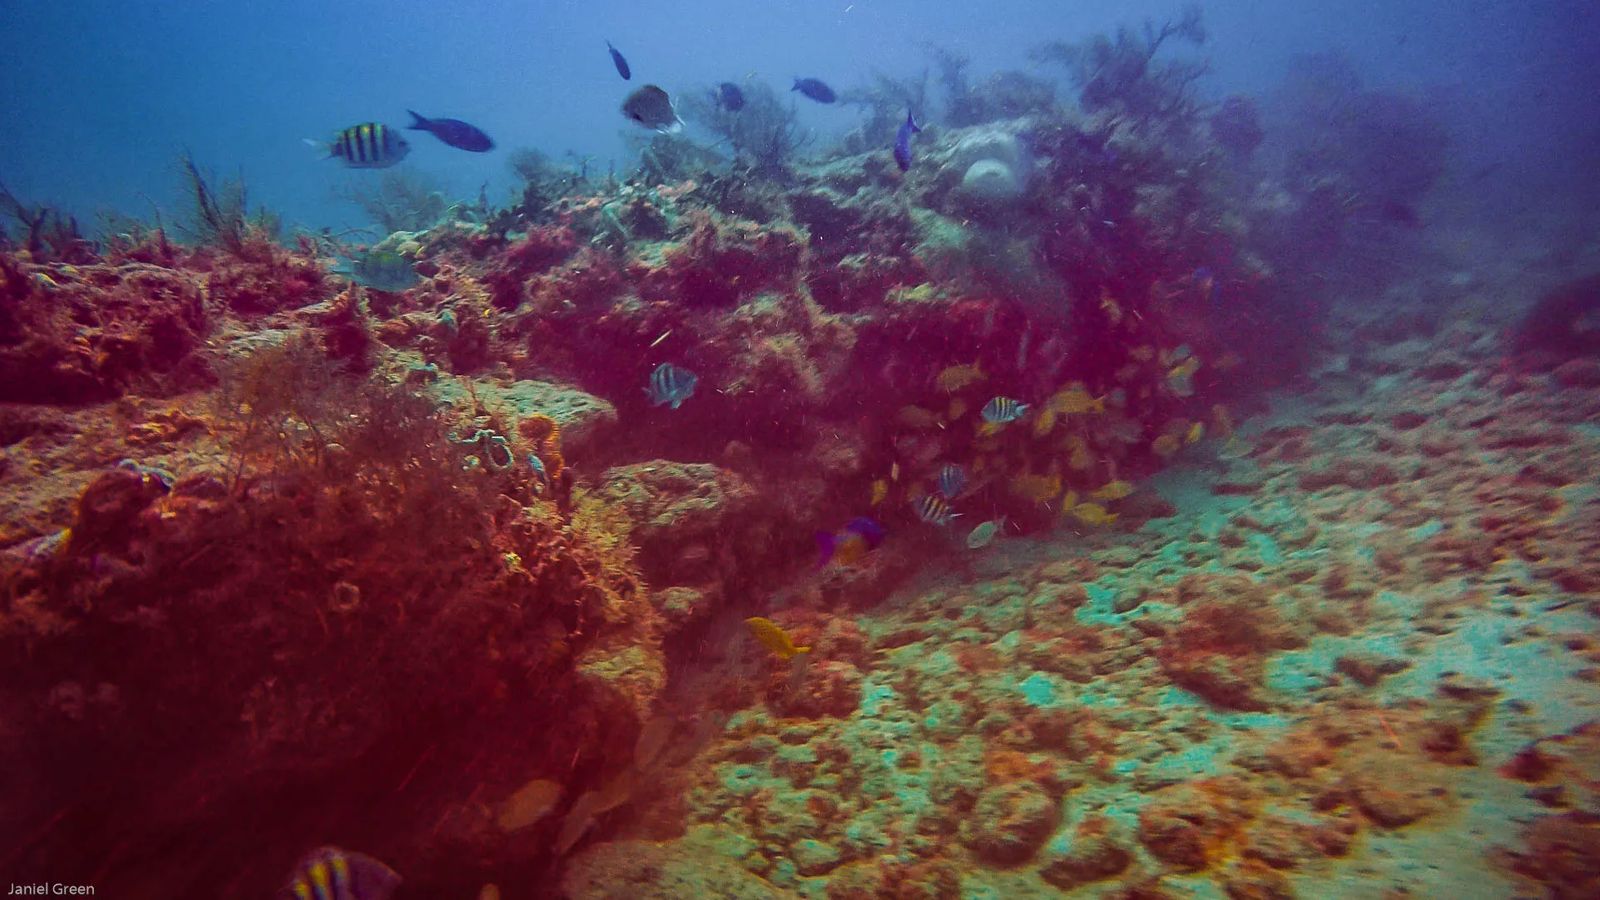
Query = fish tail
x=826 y=545
x=418 y=123
x=910 y=120
x=324 y=146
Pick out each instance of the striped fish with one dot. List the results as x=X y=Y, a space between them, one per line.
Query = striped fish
x=952 y=478
x=370 y=145
x=670 y=384
x=935 y=510
x=328 y=873
x=1001 y=410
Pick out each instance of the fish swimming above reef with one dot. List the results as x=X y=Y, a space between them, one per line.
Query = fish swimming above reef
x=670 y=384
x=815 y=89
x=774 y=638
x=456 y=133
x=729 y=97
x=370 y=145
x=985 y=533
x=329 y=873
x=1002 y=410
x=954 y=378
x=952 y=478
x=618 y=60
x=381 y=270
x=902 y=142
x=935 y=510
x=650 y=107
x=849 y=544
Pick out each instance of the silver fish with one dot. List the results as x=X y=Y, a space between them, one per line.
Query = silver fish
x=650 y=107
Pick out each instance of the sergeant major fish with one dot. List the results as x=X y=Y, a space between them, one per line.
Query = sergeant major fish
x=952 y=478
x=329 y=873
x=1002 y=410
x=370 y=145
x=935 y=510
x=670 y=384
x=381 y=270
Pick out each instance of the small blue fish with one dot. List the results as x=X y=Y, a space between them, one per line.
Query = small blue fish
x=815 y=89
x=619 y=62
x=370 y=145
x=729 y=97
x=381 y=270
x=670 y=384
x=934 y=510
x=902 y=142
x=329 y=873
x=454 y=132
x=1001 y=410
x=952 y=478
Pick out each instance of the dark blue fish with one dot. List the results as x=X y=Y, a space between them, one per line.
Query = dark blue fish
x=621 y=64
x=952 y=478
x=902 y=142
x=859 y=537
x=670 y=384
x=935 y=510
x=329 y=873
x=1002 y=410
x=814 y=89
x=454 y=132
x=1206 y=281
x=729 y=97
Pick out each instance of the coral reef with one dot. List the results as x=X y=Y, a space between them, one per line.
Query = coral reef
x=287 y=560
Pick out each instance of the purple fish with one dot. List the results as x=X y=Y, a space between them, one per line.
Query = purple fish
x=454 y=132
x=902 y=142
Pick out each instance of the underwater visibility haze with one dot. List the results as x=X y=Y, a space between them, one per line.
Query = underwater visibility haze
x=775 y=449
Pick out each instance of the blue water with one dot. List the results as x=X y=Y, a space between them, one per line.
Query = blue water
x=99 y=98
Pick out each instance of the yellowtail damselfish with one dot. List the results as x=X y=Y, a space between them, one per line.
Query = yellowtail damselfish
x=370 y=145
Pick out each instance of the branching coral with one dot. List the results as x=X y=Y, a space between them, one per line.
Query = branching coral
x=765 y=135
x=221 y=215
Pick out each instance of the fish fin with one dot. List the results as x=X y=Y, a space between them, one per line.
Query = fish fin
x=826 y=544
x=677 y=403
x=324 y=146
x=418 y=123
x=910 y=120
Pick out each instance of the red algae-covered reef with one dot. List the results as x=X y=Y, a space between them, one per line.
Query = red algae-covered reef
x=497 y=556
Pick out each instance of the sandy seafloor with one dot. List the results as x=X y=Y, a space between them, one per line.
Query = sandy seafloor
x=1413 y=515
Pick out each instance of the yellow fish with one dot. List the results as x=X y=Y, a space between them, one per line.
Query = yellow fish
x=1074 y=400
x=1037 y=488
x=1185 y=369
x=958 y=408
x=1195 y=433
x=774 y=638
x=1222 y=420
x=1068 y=501
x=1112 y=490
x=955 y=378
x=880 y=490
x=1045 y=421
x=1080 y=460
x=1166 y=445
x=1110 y=308
x=917 y=417
x=1093 y=514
